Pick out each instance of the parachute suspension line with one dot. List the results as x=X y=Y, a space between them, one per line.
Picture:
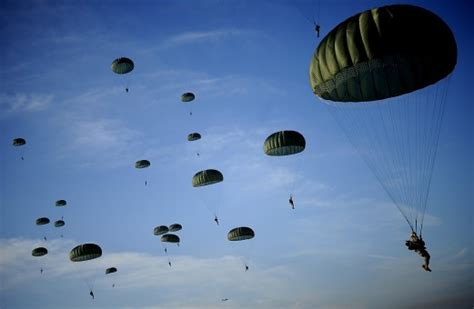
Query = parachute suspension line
x=297 y=171
x=442 y=98
x=369 y=139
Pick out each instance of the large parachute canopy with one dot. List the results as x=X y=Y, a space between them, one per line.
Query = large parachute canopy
x=142 y=164
x=284 y=143
x=171 y=238
x=194 y=136
x=240 y=233
x=187 y=97
x=110 y=270
x=60 y=203
x=19 y=141
x=40 y=251
x=175 y=227
x=207 y=177
x=384 y=76
x=59 y=223
x=42 y=221
x=160 y=230
x=85 y=252
x=381 y=53
x=122 y=65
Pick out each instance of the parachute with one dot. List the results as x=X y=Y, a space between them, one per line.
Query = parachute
x=175 y=227
x=85 y=252
x=59 y=223
x=194 y=136
x=187 y=97
x=240 y=233
x=384 y=74
x=171 y=238
x=19 y=142
x=207 y=177
x=42 y=221
x=160 y=230
x=122 y=65
x=142 y=164
x=284 y=143
x=110 y=270
x=60 y=203
x=40 y=251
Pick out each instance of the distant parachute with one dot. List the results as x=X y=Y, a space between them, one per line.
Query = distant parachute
x=160 y=230
x=284 y=143
x=59 y=223
x=42 y=221
x=194 y=136
x=175 y=227
x=187 y=97
x=384 y=75
x=207 y=177
x=171 y=238
x=19 y=141
x=60 y=203
x=142 y=164
x=122 y=65
x=85 y=252
x=40 y=251
x=110 y=270
x=240 y=233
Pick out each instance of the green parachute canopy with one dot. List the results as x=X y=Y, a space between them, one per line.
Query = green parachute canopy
x=240 y=233
x=40 y=251
x=85 y=252
x=284 y=143
x=59 y=223
x=187 y=97
x=110 y=270
x=142 y=164
x=60 y=203
x=194 y=136
x=175 y=227
x=19 y=141
x=42 y=221
x=381 y=53
x=207 y=177
x=160 y=230
x=171 y=238
x=122 y=65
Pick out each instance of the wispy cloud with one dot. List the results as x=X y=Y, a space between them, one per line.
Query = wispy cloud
x=107 y=140
x=211 y=35
x=25 y=102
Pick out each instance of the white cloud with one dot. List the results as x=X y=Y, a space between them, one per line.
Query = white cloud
x=23 y=102
x=205 y=36
x=107 y=140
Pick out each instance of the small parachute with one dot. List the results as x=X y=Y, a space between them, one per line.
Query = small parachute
x=175 y=227
x=122 y=65
x=19 y=142
x=240 y=233
x=40 y=251
x=187 y=97
x=61 y=203
x=85 y=252
x=142 y=164
x=284 y=143
x=42 y=221
x=110 y=270
x=207 y=177
x=194 y=136
x=171 y=238
x=160 y=230
x=59 y=223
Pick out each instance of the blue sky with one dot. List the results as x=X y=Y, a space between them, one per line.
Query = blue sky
x=247 y=62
